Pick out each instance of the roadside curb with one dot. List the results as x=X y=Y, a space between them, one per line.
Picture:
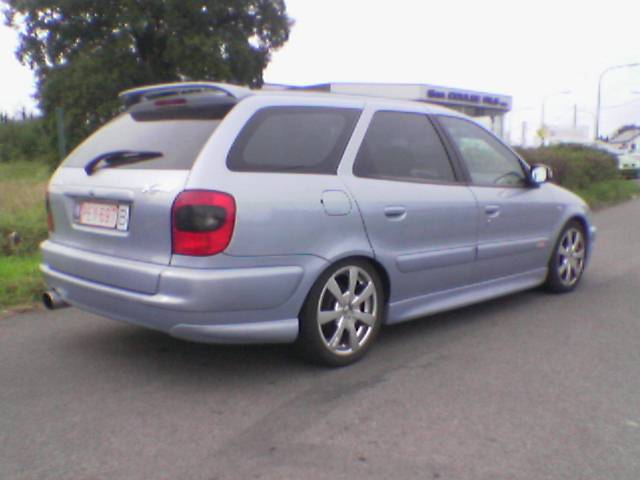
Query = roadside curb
x=19 y=309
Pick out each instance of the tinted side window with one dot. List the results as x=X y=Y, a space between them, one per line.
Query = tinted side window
x=293 y=139
x=489 y=161
x=403 y=146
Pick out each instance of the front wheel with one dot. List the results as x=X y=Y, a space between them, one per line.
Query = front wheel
x=568 y=259
x=342 y=314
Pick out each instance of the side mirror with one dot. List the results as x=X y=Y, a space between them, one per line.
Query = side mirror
x=539 y=174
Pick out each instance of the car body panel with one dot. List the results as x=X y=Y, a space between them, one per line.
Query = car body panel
x=265 y=290
x=149 y=195
x=436 y=302
x=276 y=210
x=428 y=243
x=515 y=229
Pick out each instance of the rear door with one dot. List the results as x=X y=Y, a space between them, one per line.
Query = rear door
x=124 y=211
x=515 y=220
x=421 y=220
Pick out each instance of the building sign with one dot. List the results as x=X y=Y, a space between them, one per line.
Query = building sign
x=460 y=97
x=472 y=102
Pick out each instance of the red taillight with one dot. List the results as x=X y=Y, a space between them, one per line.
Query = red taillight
x=47 y=203
x=202 y=222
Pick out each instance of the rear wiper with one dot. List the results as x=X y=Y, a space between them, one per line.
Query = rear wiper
x=120 y=157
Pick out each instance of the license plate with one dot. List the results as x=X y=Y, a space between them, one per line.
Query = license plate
x=104 y=215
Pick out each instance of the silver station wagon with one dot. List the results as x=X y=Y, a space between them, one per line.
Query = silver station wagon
x=218 y=214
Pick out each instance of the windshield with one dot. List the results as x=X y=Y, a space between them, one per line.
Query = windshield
x=178 y=140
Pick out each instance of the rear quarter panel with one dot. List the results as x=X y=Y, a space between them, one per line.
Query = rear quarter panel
x=281 y=213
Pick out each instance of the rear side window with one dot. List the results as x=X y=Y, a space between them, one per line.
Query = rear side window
x=403 y=146
x=179 y=141
x=293 y=139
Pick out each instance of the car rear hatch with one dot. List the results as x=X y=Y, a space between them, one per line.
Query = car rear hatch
x=112 y=197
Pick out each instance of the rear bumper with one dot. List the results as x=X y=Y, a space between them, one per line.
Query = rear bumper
x=231 y=305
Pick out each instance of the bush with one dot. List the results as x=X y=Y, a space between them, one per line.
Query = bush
x=26 y=140
x=574 y=166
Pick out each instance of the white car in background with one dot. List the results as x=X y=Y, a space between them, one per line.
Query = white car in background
x=627 y=158
x=629 y=164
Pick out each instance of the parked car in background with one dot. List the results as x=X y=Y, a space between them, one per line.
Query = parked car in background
x=218 y=214
x=629 y=164
x=627 y=157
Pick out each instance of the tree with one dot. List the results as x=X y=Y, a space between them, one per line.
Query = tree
x=84 y=53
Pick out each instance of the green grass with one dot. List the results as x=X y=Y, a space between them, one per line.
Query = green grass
x=22 y=187
x=610 y=192
x=20 y=280
x=30 y=171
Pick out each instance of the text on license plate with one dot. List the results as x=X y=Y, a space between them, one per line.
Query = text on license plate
x=105 y=215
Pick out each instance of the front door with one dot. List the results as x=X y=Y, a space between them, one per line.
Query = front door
x=515 y=219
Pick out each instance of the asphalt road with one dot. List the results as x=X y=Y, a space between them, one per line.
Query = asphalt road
x=533 y=386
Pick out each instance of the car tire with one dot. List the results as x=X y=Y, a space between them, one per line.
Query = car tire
x=342 y=314
x=568 y=258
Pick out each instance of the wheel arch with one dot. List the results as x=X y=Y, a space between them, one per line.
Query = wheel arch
x=577 y=217
x=586 y=228
x=377 y=266
x=583 y=222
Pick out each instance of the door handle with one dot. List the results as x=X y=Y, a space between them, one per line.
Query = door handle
x=395 y=212
x=492 y=211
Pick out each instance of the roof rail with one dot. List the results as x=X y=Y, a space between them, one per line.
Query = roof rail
x=137 y=95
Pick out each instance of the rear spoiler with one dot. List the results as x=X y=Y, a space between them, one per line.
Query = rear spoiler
x=149 y=92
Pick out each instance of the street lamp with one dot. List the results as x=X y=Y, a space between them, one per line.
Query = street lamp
x=614 y=67
x=544 y=100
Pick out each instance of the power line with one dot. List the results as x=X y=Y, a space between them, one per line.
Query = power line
x=621 y=104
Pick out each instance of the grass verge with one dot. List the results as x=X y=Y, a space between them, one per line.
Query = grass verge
x=610 y=192
x=20 y=281
x=22 y=187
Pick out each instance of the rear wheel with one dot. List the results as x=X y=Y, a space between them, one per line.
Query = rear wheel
x=568 y=259
x=342 y=314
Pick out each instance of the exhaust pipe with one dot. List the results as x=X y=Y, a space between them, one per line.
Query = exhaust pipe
x=53 y=301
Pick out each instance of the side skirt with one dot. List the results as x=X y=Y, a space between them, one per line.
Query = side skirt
x=432 y=303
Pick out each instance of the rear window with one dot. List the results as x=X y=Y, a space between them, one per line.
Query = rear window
x=179 y=141
x=293 y=139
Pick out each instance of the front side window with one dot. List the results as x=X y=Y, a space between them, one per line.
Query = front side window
x=403 y=146
x=489 y=161
x=293 y=139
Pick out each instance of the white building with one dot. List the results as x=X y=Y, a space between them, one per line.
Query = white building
x=489 y=108
x=626 y=139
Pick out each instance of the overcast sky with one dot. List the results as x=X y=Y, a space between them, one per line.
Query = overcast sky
x=528 y=49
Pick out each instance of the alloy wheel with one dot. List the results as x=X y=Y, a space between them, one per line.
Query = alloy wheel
x=571 y=254
x=347 y=310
